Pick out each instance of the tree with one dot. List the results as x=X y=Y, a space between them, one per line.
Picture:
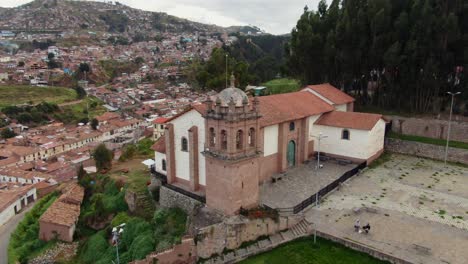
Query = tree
x=94 y=123
x=82 y=175
x=84 y=67
x=404 y=51
x=8 y=133
x=80 y=92
x=103 y=157
x=21 y=64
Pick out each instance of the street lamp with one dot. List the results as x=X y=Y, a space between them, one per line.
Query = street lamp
x=116 y=232
x=320 y=136
x=450 y=125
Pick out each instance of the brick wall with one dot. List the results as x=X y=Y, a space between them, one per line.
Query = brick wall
x=185 y=252
x=432 y=128
x=426 y=150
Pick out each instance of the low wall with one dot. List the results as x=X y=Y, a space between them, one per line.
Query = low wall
x=233 y=231
x=426 y=150
x=169 y=198
x=185 y=252
x=432 y=128
x=363 y=248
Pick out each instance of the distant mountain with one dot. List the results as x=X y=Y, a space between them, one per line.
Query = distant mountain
x=114 y=17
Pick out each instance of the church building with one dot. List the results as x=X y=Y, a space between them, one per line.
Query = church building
x=226 y=147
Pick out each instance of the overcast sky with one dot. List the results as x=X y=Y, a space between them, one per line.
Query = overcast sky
x=274 y=16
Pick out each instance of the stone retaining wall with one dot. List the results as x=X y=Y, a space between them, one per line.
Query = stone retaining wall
x=363 y=248
x=426 y=150
x=169 y=198
x=233 y=231
x=432 y=128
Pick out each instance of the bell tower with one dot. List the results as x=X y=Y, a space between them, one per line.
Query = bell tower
x=231 y=150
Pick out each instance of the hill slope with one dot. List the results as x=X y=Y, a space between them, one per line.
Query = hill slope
x=96 y=16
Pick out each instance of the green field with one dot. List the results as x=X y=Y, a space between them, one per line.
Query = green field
x=284 y=85
x=303 y=251
x=77 y=112
x=23 y=94
x=433 y=141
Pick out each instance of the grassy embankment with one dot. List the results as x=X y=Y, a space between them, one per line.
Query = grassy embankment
x=432 y=141
x=304 y=251
x=284 y=85
x=23 y=94
x=24 y=242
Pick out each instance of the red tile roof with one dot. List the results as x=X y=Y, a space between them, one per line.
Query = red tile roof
x=160 y=145
x=160 y=120
x=335 y=95
x=280 y=108
x=353 y=120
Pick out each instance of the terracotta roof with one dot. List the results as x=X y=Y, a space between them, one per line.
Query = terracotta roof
x=107 y=116
x=61 y=213
x=353 y=120
x=335 y=95
x=9 y=196
x=160 y=120
x=280 y=108
x=160 y=145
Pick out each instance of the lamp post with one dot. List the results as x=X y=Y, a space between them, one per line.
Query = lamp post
x=320 y=136
x=450 y=125
x=116 y=232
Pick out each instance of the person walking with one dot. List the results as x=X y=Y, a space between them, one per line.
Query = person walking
x=357 y=225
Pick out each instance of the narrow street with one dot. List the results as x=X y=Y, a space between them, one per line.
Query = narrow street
x=5 y=233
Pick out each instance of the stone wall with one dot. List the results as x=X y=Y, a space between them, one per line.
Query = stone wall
x=426 y=150
x=185 y=252
x=363 y=248
x=233 y=231
x=169 y=198
x=432 y=128
x=131 y=200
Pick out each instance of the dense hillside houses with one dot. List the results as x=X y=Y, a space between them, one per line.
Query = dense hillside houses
x=226 y=147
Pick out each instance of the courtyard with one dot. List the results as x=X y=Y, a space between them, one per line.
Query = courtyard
x=301 y=182
x=417 y=209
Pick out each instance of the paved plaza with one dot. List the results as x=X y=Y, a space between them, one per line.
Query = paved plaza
x=299 y=183
x=417 y=209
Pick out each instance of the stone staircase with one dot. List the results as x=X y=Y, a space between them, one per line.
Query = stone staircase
x=301 y=229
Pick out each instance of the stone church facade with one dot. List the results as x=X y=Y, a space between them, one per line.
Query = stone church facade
x=226 y=147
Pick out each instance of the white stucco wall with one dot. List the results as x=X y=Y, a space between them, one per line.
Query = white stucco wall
x=158 y=157
x=270 y=140
x=377 y=137
x=9 y=212
x=341 y=107
x=356 y=147
x=181 y=126
x=312 y=120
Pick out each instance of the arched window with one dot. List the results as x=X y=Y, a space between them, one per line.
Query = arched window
x=345 y=134
x=292 y=126
x=239 y=139
x=223 y=139
x=252 y=137
x=184 y=144
x=212 y=137
x=163 y=164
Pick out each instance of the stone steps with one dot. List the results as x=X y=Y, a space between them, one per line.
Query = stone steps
x=299 y=230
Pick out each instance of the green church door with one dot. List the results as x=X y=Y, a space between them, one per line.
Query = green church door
x=291 y=155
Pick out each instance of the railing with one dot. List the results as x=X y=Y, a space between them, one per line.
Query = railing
x=325 y=190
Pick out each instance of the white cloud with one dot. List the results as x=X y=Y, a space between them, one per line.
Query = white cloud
x=274 y=16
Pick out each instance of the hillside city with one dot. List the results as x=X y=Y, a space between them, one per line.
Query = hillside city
x=133 y=136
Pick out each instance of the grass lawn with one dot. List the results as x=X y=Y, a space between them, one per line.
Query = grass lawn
x=433 y=141
x=20 y=94
x=283 y=85
x=76 y=112
x=303 y=251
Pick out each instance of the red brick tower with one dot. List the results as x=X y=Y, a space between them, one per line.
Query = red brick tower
x=231 y=151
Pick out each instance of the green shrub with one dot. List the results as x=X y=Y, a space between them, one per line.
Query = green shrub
x=24 y=240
